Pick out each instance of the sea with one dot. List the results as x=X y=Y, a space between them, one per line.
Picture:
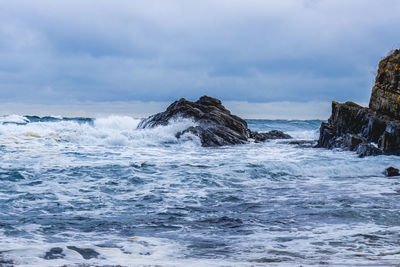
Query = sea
x=100 y=192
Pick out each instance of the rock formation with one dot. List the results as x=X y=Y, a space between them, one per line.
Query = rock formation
x=385 y=96
x=391 y=171
x=215 y=125
x=374 y=130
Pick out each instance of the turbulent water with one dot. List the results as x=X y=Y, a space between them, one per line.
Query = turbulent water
x=99 y=192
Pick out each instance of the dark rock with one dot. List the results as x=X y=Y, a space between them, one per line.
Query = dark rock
x=355 y=128
x=300 y=143
x=216 y=126
x=368 y=149
x=6 y=262
x=326 y=136
x=274 y=134
x=86 y=253
x=391 y=171
x=352 y=141
x=385 y=96
x=54 y=253
x=358 y=128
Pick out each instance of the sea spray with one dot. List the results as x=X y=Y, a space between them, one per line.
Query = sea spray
x=101 y=192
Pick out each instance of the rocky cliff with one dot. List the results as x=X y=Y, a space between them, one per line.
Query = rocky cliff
x=374 y=130
x=385 y=96
x=216 y=126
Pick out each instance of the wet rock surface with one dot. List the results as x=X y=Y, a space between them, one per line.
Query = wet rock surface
x=391 y=171
x=300 y=143
x=274 y=134
x=368 y=131
x=54 y=253
x=215 y=125
x=360 y=129
x=86 y=253
x=385 y=96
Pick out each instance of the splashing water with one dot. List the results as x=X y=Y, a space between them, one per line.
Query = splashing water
x=100 y=192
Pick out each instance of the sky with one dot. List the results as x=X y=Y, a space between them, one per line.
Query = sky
x=140 y=55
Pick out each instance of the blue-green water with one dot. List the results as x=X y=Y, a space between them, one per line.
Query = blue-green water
x=99 y=192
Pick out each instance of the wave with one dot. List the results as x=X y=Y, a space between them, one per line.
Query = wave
x=109 y=131
x=298 y=129
x=84 y=191
x=107 y=251
x=17 y=119
x=122 y=131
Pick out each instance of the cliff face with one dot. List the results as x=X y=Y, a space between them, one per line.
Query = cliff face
x=385 y=96
x=369 y=131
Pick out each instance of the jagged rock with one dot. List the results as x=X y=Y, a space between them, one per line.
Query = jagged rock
x=368 y=149
x=274 y=134
x=354 y=128
x=391 y=171
x=216 y=126
x=385 y=96
x=369 y=131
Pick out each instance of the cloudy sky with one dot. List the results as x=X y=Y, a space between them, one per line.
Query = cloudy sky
x=256 y=52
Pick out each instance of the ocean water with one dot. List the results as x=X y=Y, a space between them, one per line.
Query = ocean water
x=99 y=192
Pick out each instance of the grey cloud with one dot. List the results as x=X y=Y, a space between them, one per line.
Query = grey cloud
x=71 y=51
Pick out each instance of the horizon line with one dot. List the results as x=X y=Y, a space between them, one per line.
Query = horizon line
x=275 y=110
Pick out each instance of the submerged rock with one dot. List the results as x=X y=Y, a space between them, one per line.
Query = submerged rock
x=86 y=253
x=369 y=131
x=274 y=134
x=216 y=126
x=54 y=253
x=391 y=171
x=300 y=143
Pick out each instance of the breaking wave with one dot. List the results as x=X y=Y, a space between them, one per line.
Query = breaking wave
x=100 y=192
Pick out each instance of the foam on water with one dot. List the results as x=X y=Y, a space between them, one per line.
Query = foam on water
x=100 y=192
x=13 y=119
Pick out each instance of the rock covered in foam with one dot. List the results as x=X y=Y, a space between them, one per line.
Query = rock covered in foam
x=216 y=126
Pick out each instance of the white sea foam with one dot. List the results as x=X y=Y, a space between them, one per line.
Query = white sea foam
x=130 y=251
x=112 y=131
x=13 y=119
x=121 y=123
x=105 y=171
x=304 y=134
